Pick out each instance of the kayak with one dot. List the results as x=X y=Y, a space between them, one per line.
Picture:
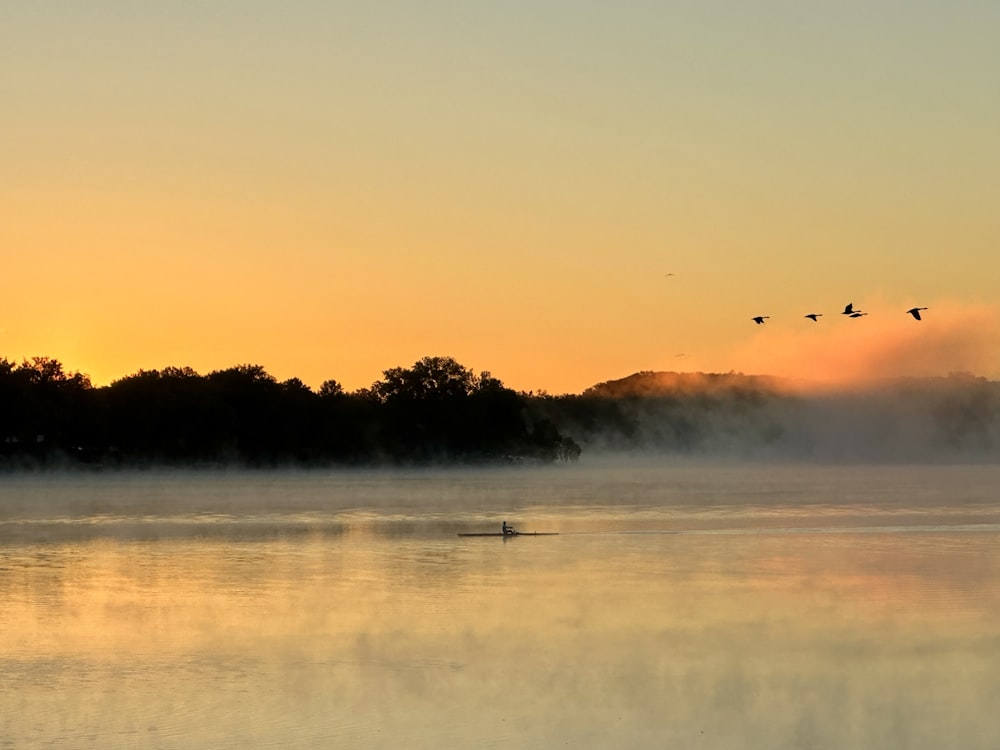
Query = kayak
x=516 y=533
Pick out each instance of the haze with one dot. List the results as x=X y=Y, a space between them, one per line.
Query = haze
x=331 y=190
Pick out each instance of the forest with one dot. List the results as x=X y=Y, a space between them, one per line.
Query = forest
x=435 y=411
x=439 y=412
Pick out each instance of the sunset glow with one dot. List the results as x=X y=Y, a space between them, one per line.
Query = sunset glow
x=887 y=343
x=329 y=191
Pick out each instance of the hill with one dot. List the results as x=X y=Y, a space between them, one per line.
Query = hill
x=649 y=384
x=950 y=419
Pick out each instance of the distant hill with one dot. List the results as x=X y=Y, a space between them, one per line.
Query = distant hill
x=657 y=384
x=954 y=418
x=653 y=384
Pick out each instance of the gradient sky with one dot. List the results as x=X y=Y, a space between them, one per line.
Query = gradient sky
x=332 y=189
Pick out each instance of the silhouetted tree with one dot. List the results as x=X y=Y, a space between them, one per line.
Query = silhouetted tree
x=45 y=411
x=331 y=389
x=439 y=409
x=163 y=416
x=435 y=410
x=430 y=379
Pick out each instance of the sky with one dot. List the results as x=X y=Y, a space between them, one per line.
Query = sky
x=558 y=193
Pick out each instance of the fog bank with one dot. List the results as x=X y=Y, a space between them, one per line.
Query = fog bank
x=950 y=419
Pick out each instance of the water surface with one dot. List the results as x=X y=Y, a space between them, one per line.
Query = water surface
x=680 y=606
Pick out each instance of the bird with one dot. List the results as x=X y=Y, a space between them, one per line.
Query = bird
x=849 y=310
x=915 y=312
x=760 y=319
x=856 y=314
x=814 y=316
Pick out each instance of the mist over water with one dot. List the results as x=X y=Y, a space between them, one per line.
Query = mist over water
x=886 y=344
x=666 y=416
x=694 y=604
x=881 y=389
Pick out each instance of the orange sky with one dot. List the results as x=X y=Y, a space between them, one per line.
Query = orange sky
x=885 y=343
x=332 y=192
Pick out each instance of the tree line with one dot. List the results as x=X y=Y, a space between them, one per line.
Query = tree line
x=440 y=411
x=435 y=411
x=953 y=418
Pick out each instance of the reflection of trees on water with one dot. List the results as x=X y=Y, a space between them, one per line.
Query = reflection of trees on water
x=436 y=410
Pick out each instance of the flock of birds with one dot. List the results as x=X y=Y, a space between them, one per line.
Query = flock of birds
x=850 y=311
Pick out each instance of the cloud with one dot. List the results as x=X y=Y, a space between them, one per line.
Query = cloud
x=845 y=352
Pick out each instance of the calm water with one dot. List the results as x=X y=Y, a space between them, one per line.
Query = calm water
x=688 y=607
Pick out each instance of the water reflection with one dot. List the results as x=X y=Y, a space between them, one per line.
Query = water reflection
x=320 y=623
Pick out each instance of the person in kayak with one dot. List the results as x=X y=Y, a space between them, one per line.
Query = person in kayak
x=508 y=530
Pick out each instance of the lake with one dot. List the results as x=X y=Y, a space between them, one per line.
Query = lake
x=681 y=605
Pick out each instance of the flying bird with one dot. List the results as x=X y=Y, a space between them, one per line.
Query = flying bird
x=915 y=312
x=849 y=310
x=814 y=316
x=760 y=319
x=856 y=314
